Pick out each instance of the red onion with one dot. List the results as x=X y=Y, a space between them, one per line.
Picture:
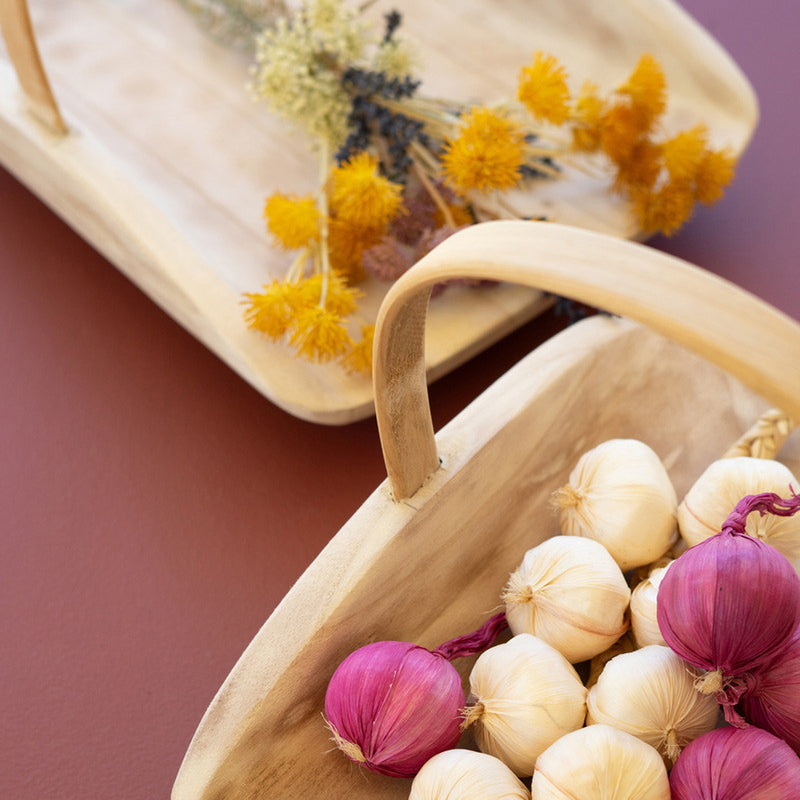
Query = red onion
x=736 y=764
x=393 y=705
x=772 y=699
x=731 y=603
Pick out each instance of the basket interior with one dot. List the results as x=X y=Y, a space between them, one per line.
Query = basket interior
x=432 y=568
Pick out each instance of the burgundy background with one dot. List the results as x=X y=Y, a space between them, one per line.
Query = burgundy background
x=155 y=508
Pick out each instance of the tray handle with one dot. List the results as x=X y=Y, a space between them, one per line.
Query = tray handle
x=17 y=29
x=725 y=324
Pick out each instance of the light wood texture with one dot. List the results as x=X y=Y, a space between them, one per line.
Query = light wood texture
x=719 y=321
x=15 y=23
x=432 y=567
x=168 y=159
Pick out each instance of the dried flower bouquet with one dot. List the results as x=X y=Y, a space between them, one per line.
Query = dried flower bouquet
x=400 y=171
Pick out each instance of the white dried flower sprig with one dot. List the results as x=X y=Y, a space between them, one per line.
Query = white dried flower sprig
x=236 y=23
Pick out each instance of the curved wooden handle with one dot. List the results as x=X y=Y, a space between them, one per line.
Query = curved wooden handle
x=15 y=23
x=730 y=327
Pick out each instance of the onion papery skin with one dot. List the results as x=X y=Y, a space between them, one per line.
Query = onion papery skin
x=729 y=605
x=736 y=764
x=773 y=701
x=398 y=703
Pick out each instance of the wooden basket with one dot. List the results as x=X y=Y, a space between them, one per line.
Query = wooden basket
x=158 y=156
x=426 y=556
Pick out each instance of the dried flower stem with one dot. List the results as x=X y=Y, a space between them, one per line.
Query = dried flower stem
x=434 y=193
x=322 y=203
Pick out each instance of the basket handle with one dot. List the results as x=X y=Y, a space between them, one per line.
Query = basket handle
x=725 y=324
x=17 y=29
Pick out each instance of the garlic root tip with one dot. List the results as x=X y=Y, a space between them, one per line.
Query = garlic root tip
x=567 y=497
x=471 y=714
x=672 y=748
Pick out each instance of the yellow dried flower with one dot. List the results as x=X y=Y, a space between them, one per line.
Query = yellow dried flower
x=714 y=172
x=361 y=196
x=641 y=168
x=319 y=335
x=543 y=89
x=620 y=132
x=684 y=152
x=359 y=358
x=340 y=298
x=293 y=221
x=647 y=89
x=587 y=116
x=664 y=210
x=346 y=245
x=487 y=153
x=272 y=311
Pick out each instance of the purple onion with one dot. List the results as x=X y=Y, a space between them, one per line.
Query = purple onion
x=772 y=700
x=730 y=604
x=393 y=705
x=736 y=764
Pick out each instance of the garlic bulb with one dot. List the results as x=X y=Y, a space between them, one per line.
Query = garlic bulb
x=643 y=609
x=569 y=592
x=620 y=494
x=600 y=762
x=650 y=693
x=466 y=775
x=523 y=696
x=717 y=491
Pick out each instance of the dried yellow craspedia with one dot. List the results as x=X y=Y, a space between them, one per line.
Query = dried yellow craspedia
x=641 y=169
x=543 y=89
x=684 y=152
x=346 y=243
x=486 y=154
x=714 y=172
x=361 y=196
x=646 y=88
x=359 y=358
x=332 y=292
x=272 y=310
x=587 y=115
x=319 y=335
x=666 y=209
x=293 y=221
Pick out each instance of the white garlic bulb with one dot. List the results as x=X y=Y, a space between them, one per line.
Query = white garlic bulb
x=724 y=483
x=600 y=763
x=569 y=592
x=620 y=494
x=466 y=775
x=523 y=696
x=643 y=608
x=651 y=694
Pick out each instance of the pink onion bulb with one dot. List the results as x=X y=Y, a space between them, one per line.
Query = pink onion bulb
x=393 y=705
x=772 y=700
x=736 y=764
x=731 y=603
